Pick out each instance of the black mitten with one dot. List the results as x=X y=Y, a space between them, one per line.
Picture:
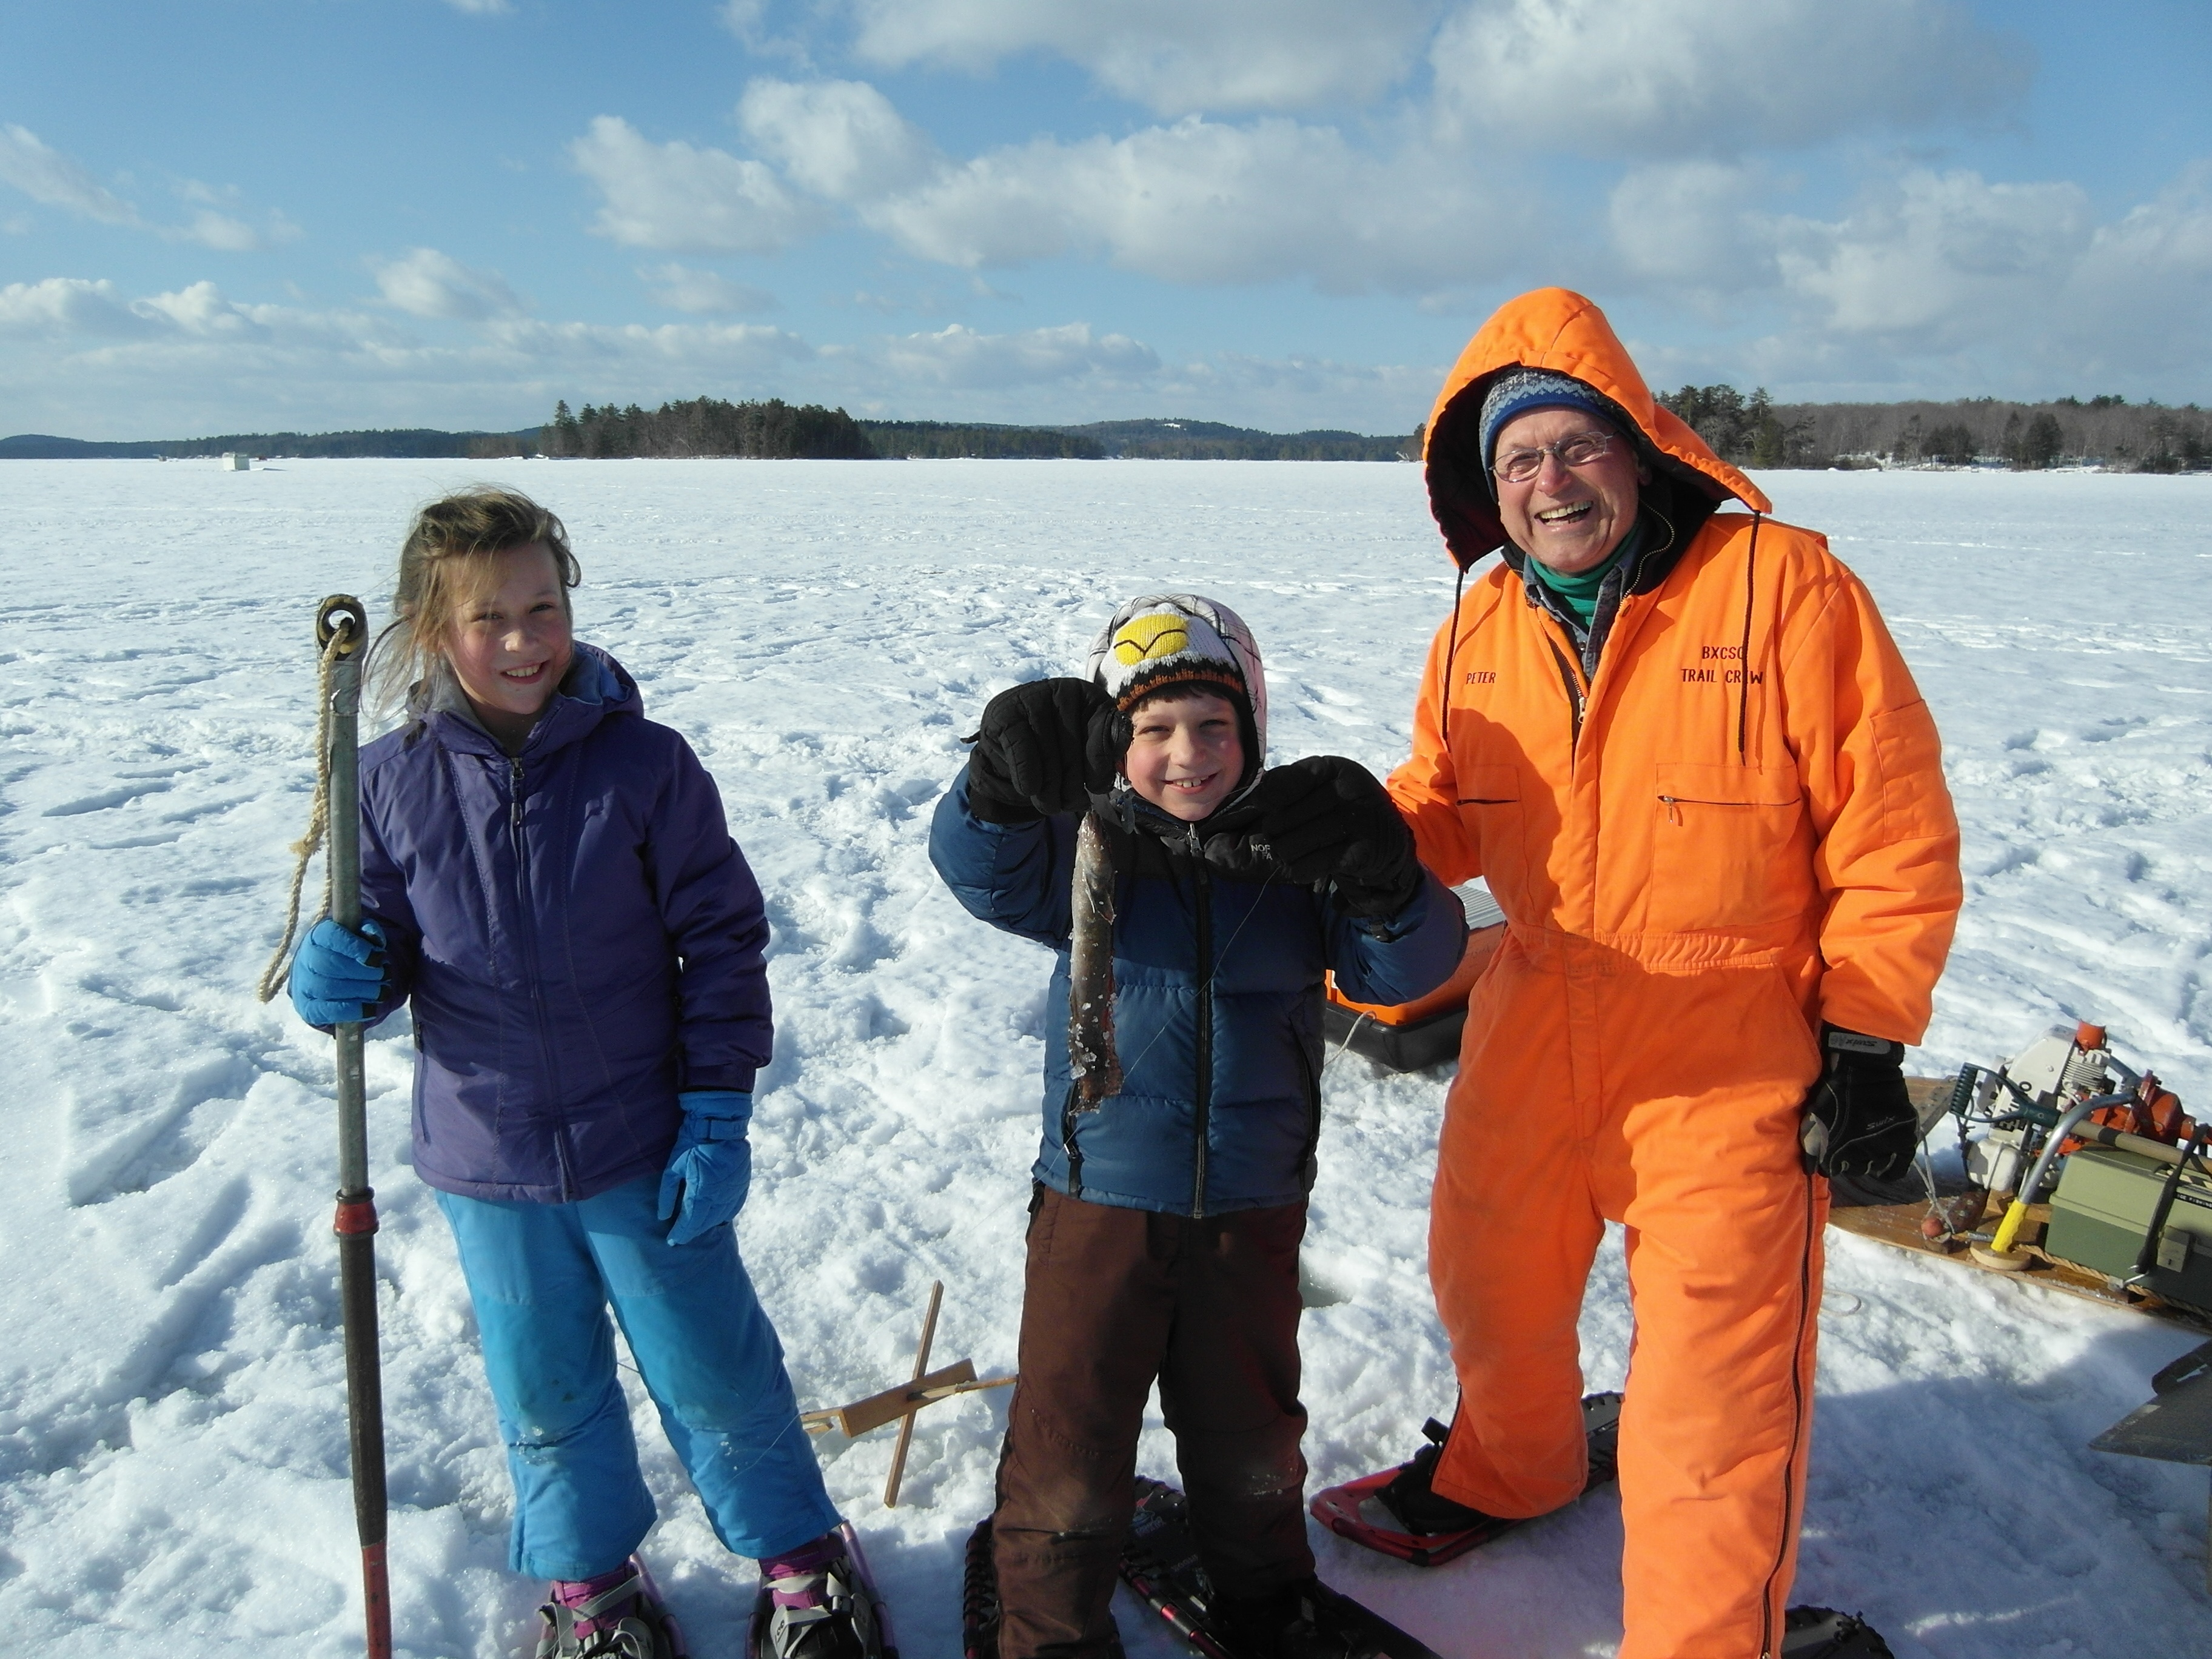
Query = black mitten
x=1327 y=818
x=1859 y=1121
x=1033 y=753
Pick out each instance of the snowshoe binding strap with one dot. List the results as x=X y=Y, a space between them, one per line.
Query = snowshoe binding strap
x=827 y=1613
x=639 y=1634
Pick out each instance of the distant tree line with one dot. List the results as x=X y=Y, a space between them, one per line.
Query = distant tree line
x=774 y=430
x=778 y=430
x=2108 y=431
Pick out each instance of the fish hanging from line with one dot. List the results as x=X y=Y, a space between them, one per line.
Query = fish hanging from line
x=1091 y=1055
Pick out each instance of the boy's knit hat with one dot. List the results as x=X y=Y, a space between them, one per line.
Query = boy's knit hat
x=1158 y=640
x=1520 y=390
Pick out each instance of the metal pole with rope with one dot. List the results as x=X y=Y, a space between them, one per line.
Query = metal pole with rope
x=342 y=632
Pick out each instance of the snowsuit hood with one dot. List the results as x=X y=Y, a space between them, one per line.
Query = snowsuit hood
x=578 y=935
x=1556 y=328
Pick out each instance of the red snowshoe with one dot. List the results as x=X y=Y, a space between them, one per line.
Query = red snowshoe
x=1396 y=1513
x=979 y=1597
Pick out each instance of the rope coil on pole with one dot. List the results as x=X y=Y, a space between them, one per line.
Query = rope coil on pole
x=341 y=628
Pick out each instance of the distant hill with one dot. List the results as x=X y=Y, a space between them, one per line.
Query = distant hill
x=1210 y=441
x=409 y=443
x=978 y=440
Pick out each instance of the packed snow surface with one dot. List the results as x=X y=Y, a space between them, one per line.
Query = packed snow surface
x=172 y=1449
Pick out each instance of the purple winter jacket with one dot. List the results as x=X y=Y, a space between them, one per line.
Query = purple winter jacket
x=580 y=937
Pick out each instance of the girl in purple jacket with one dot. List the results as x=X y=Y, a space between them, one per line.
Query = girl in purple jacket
x=546 y=876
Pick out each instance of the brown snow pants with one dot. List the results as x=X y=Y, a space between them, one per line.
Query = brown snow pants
x=1114 y=1298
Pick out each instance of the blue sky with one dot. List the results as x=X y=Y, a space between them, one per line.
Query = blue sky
x=253 y=215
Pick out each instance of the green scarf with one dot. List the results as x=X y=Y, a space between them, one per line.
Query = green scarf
x=1580 y=590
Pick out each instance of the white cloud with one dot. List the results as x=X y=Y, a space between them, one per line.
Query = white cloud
x=1939 y=258
x=481 y=8
x=218 y=230
x=684 y=198
x=429 y=283
x=1692 y=228
x=703 y=293
x=959 y=356
x=1177 y=57
x=46 y=175
x=1204 y=201
x=66 y=305
x=1682 y=76
x=841 y=139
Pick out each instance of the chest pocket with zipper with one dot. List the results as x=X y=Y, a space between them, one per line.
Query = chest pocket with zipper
x=1730 y=847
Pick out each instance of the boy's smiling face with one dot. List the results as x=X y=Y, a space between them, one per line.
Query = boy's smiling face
x=1186 y=753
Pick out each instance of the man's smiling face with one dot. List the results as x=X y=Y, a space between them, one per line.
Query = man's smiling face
x=1568 y=518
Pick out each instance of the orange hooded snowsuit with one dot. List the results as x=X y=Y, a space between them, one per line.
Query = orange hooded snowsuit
x=1736 y=830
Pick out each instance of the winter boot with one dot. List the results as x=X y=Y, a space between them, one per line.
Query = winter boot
x=1824 y=1633
x=618 y=1615
x=1400 y=1513
x=1418 y=1508
x=816 y=1602
x=1293 y=1623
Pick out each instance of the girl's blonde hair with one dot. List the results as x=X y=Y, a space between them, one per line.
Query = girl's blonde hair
x=447 y=562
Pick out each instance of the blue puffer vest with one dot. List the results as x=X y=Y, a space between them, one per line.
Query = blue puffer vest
x=1217 y=1007
x=579 y=935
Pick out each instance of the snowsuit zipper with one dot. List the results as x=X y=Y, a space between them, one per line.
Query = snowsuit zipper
x=525 y=928
x=1568 y=679
x=1202 y=1084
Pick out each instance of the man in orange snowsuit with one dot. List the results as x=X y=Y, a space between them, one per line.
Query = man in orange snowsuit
x=1683 y=750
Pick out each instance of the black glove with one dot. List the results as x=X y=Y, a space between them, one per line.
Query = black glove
x=1327 y=818
x=1039 y=751
x=1858 y=1119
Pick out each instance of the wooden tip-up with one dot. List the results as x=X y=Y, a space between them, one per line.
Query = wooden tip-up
x=902 y=1402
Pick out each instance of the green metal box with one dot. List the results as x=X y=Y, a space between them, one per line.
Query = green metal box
x=2104 y=1207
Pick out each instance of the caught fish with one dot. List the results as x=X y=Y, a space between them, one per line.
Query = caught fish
x=1091 y=1055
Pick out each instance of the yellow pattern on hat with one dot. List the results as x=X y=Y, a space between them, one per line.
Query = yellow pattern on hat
x=1142 y=638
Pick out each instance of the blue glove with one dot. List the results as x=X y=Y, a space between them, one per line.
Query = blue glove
x=711 y=1166
x=338 y=975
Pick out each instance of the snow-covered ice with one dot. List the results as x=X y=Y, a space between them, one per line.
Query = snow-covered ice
x=172 y=1456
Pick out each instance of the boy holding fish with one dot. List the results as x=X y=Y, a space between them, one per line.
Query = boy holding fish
x=1126 y=820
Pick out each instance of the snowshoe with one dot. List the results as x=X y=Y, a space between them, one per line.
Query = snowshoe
x=1397 y=1513
x=647 y=1630
x=844 y=1618
x=979 y=1597
x=1159 y=1561
x=1824 y=1633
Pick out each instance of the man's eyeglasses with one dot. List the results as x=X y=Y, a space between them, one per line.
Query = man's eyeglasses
x=1577 y=449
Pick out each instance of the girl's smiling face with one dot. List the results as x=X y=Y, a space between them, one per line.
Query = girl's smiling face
x=1186 y=756
x=511 y=647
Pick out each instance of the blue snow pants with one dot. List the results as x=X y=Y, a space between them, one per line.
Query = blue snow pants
x=541 y=1277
